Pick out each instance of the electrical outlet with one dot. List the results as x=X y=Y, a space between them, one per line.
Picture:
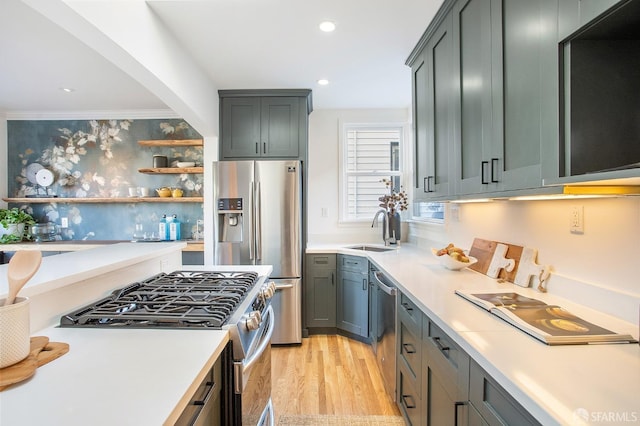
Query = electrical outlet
x=164 y=265
x=576 y=224
x=64 y=222
x=324 y=212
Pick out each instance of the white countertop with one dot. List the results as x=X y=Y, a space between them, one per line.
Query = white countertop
x=114 y=377
x=111 y=376
x=63 y=269
x=554 y=383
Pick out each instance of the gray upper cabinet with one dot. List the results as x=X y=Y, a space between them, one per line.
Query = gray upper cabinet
x=525 y=89
x=598 y=87
x=433 y=116
x=264 y=124
x=240 y=127
x=478 y=158
x=573 y=14
x=485 y=91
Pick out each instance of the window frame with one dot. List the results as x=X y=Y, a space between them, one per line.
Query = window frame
x=344 y=174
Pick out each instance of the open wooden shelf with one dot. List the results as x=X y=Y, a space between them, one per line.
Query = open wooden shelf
x=42 y=200
x=171 y=142
x=171 y=170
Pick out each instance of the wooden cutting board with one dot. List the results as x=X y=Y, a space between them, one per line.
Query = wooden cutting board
x=485 y=250
x=42 y=352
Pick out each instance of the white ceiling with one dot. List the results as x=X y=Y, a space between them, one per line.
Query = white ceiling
x=239 y=44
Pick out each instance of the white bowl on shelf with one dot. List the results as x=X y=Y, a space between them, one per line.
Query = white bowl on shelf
x=184 y=164
x=450 y=263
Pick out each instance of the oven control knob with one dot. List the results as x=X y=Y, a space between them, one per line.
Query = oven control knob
x=269 y=290
x=253 y=320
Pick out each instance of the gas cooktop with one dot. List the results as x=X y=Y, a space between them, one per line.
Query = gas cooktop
x=181 y=299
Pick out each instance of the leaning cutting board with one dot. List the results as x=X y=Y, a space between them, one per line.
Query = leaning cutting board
x=42 y=352
x=485 y=251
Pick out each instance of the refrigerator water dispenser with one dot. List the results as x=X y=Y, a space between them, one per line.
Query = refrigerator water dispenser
x=230 y=220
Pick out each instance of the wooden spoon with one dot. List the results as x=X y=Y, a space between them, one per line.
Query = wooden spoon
x=22 y=266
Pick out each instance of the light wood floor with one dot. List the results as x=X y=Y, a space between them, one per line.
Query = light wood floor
x=328 y=375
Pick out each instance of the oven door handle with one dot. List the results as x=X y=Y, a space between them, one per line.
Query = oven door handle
x=266 y=341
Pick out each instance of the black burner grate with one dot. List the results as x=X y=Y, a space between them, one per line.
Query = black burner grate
x=178 y=299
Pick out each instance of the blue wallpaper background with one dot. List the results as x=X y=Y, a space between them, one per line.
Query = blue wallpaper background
x=101 y=158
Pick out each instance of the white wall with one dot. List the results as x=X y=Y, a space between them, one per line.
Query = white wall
x=324 y=151
x=598 y=268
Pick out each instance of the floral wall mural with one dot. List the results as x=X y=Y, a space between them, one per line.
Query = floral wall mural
x=100 y=159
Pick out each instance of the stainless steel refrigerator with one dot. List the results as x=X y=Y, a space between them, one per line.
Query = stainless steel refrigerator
x=258 y=221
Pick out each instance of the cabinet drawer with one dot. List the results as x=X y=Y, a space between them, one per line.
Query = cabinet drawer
x=493 y=403
x=447 y=359
x=410 y=349
x=353 y=263
x=321 y=261
x=205 y=403
x=409 y=312
x=409 y=400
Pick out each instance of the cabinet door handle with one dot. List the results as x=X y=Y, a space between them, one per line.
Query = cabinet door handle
x=409 y=348
x=483 y=167
x=365 y=284
x=257 y=148
x=440 y=345
x=494 y=168
x=333 y=278
x=264 y=147
x=408 y=401
x=427 y=184
x=458 y=418
x=406 y=307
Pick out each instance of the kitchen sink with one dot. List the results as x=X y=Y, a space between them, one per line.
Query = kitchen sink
x=365 y=247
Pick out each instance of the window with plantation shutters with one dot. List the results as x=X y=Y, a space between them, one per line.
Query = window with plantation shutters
x=370 y=155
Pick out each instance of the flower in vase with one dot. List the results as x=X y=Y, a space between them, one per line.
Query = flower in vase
x=394 y=201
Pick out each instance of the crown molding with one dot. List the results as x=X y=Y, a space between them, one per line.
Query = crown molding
x=90 y=114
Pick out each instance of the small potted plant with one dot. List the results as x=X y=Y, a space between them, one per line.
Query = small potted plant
x=13 y=225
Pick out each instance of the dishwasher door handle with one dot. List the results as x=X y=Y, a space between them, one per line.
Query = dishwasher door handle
x=391 y=291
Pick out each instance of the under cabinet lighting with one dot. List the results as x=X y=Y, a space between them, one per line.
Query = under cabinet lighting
x=67 y=89
x=323 y=82
x=327 y=26
x=474 y=200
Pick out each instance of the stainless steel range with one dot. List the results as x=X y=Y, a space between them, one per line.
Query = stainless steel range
x=236 y=301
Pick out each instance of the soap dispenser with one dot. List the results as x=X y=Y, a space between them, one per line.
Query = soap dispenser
x=163 y=230
x=174 y=228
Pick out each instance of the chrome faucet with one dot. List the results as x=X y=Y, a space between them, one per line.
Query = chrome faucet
x=385 y=227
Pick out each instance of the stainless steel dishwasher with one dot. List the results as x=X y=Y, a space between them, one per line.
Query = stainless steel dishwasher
x=384 y=328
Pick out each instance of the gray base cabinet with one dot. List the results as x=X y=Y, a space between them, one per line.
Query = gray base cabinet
x=409 y=361
x=439 y=384
x=445 y=377
x=320 y=284
x=353 y=295
x=493 y=404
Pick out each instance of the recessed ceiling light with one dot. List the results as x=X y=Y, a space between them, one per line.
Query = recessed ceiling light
x=327 y=26
x=67 y=89
x=323 y=82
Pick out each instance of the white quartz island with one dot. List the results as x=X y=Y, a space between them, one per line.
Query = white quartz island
x=558 y=385
x=109 y=376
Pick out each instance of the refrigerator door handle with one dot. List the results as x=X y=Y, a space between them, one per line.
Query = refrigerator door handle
x=252 y=230
x=258 y=216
